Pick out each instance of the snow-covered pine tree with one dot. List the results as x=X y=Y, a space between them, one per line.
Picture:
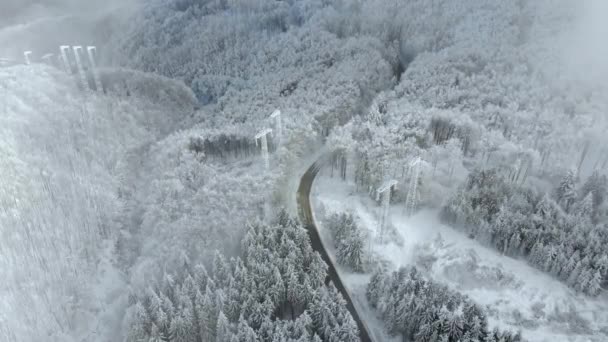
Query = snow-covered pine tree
x=602 y=265
x=536 y=255
x=140 y=323
x=233 y=301
x=202 y=312
x=266 y=329
x=597 y=185
x=221 y=270
x=348 y=331
x=162 y=323
x=514 y=244
x=594 y=286
x=189 y=288
x=374 y=288
x=211 y=310
x=549 y=256
x=573 y=278
x=583 y=280
x=223 y=331
x=168 y=308
x=350 y=250
x=569 y=267
x=583 y=211
x=277 y=289
x=545 y=208
x=317 y=271
x=293 y=293
x=566 y=191
x=180 y=331
x=201 y=276
x=558 y=263
x=301 y=327
x=455 y=325
x=244 y=332
x=156 y=335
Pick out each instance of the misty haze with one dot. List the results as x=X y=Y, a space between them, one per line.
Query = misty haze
x=303 y=170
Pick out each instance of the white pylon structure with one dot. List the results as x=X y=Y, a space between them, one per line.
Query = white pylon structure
x=412 y=191
x=385 y=192
x=65 y=59
x=370 y=251
x=91 y=51
x=263 y=137
x=26 y=56
x=276 y=115
x=48 y=58
x=81 y=72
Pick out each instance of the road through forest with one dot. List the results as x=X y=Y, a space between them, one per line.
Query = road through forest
x=307 y=218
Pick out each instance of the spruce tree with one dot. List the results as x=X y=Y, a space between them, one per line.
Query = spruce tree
x=573 y=278
x=244 y=332
x=156 y=335
x=594 y=285
x=204 y=312
x=566 y=192
x=180 y=331
x=140 y=323
x=597 y=186
x=223 y=332
x=221 y=270
x=584 y=210
x=350 y=251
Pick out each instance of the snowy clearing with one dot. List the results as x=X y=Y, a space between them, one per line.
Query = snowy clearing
x=516 y=296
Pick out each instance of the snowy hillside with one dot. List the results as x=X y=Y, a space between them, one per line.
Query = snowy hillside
x=165 y=206
x=62 y=171
x=515 y=295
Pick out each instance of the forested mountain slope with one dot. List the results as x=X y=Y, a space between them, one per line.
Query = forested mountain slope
x=63 y=153
x=161 y=172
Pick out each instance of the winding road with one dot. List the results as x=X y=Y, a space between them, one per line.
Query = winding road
x=307 y=219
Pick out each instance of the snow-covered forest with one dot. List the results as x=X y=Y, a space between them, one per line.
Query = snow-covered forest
x=151 y=187
x=425 y=311
x=567 y=240
x=274 y=292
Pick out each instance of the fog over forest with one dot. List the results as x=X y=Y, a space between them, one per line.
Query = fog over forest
x=303 y=170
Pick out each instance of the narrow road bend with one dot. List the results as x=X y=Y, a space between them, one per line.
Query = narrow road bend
x=307 y=218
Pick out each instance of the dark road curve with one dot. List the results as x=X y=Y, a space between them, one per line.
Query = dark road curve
x=307 y=219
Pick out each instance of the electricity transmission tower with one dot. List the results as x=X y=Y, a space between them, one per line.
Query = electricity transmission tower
x=65 y=59
x=385 y=192
x=81 y=72
x=91 y=52
x=276 y=115
x=412 y=192
x=26 y=56
x=263 y=137
x=48 y=59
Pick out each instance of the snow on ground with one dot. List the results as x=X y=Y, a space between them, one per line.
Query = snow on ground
x=60 y=202
x=516 y=296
